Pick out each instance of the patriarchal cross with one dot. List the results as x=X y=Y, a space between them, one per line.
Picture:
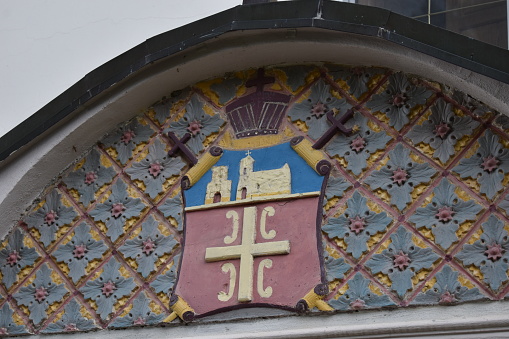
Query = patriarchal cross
x=247 y=251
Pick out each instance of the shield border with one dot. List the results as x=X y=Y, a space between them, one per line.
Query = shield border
x=314 y=298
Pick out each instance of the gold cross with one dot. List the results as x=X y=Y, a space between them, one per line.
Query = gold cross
x=247 y=251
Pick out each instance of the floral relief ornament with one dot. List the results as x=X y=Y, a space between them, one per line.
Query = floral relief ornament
x=172 y=207
x=7 y=324
x=50 y=217
x=148 y=246
x=336 y=187
x=72 y=320
x=313 y=110
x=442 y=130
x=490 y=253
x=400 y=176
x=155 y=169
x=398 y=100
x=89 y=178
x=488 y=165
x=358 y=147
x=140 y=314
x=125 y=140
x=197 y=123
x=360 y=296
x=335 y=267
x=357 y=225
x=445 y=214
x=108 y=288
x=401 y=261
x=357 y=78
x=447 y=290
x=79 y=251
x=117 y=209
x=14 y=257
x=164 y=283
x=40 y=294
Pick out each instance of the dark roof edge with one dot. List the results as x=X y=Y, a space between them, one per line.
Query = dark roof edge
x=456 y=49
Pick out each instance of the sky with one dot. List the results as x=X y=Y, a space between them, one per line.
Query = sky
x=48 y=45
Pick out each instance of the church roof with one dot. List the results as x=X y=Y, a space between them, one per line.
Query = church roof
x=476 y=56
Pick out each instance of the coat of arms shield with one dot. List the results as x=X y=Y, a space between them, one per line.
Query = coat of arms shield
x=252 y=231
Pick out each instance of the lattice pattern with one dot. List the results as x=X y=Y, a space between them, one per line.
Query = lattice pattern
x=416 y=211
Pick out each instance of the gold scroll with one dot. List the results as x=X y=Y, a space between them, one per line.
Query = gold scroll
x=313 y=157
x=313 y=299
x=170 y=318
x=182 y=309
x=206 y=162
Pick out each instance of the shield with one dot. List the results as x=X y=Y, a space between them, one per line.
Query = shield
x=252 y=231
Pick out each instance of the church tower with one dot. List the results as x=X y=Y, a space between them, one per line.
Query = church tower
x=219 y=188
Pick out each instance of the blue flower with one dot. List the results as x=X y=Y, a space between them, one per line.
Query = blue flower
x=14 y=257
x=155 y=169
x=490 y=253
x=148 y=246
x=88 y=179
x=164 y=283
x=398 y=100
x=358 y=147
x=117 y=209
x=401 y=261
x=140 y=314
x=488 y=165
x=445 y=214
x=335 y=268
x=172 y=207
x=196 y=122
x=400 y=176
x=7 y=325
x=40 y=294
x=78 y=252
x=313 y=110
x=359 y=296
x=447 y=290
x=442 y=130
x=336 y=187
x=357 y=225
x=162 y=109
x=108 y=288
x=125 y=140
x=72 y=320
x=357 y=78
x=50 y=217
x=226 y=90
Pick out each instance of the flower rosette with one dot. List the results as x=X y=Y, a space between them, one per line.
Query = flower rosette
x=402 y=261
x=197 y=123
x=155 y=169
x=445 y=214
x=398 y=100
x=490 y=254
x=489 y=165
x=400 y=176
x=443 y=131
x=357 y=225
x=358 y=147
x=313 y=110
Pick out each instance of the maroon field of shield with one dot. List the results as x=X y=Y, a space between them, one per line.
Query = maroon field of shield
x=246 y=255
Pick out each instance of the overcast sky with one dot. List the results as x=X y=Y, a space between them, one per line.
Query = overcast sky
x=48 y=45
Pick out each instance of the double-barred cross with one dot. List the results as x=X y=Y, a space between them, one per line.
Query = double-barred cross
x=246 y=252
